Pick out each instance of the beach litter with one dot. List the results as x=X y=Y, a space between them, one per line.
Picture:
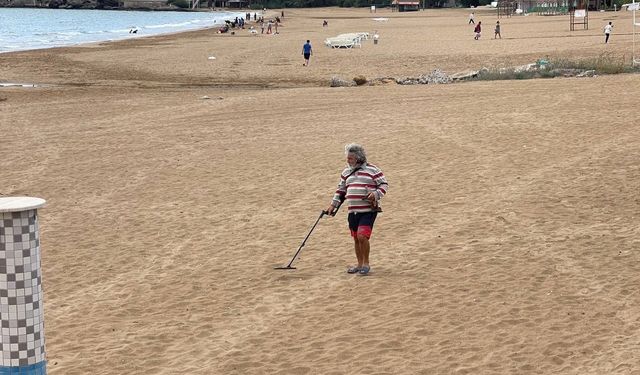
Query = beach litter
x=211 y=58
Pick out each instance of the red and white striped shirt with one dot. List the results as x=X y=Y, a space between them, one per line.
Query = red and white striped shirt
x=355 y=186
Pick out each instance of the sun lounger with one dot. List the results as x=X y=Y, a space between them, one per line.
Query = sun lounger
x=340 y=42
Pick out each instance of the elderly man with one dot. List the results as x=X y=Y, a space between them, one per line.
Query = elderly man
x=362 y=185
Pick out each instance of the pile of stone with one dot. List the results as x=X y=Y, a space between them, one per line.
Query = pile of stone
x=339 y=82
x=435 y=77
x=440 y=77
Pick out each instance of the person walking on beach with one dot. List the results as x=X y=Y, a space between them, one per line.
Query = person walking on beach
x=307 y=52
x=607 y=32
x=478 y=30
x=497 y=31
x=362 y=185
x=471 y=19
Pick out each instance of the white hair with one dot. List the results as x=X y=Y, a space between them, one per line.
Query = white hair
x=358 y=151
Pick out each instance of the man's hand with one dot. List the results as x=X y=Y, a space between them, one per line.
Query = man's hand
x=329 y=211
x=371 y=197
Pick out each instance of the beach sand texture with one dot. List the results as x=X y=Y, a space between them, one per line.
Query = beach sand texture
x=508 y=243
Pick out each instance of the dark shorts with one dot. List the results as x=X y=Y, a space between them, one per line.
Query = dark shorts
x=306 y=56
x=361 y=223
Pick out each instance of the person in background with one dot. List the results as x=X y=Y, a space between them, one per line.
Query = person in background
x=497 y=31
x=607 y=31
x=307 y=52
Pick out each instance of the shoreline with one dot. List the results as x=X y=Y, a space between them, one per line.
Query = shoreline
x=125 y=37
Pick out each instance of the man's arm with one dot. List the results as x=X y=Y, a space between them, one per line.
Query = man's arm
x=339 y=195
x=382 y=186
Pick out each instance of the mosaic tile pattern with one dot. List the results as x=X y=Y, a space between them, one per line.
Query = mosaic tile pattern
x=37 y=369
x=21 y=310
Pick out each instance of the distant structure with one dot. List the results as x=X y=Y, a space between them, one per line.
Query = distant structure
x=405 y=5
x=506 y=8
x=579 y=14
x=552 y=7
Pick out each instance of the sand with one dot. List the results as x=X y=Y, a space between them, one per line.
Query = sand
x=508 y=243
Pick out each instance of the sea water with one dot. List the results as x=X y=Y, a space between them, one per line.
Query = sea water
x=28 y=28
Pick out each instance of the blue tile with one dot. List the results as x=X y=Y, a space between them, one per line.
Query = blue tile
x=37 y=369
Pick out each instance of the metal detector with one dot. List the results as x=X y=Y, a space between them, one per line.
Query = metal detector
x=288 y=266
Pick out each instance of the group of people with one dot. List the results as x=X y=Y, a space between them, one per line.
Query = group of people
x=478 y=28
x=497 y=35
x=270 y=27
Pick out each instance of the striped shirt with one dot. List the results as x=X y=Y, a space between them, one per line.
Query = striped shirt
x=354 y=188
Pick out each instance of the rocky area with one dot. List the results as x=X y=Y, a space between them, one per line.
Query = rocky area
x=440 y=77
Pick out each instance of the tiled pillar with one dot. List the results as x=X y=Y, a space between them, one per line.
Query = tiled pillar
x=21 y=311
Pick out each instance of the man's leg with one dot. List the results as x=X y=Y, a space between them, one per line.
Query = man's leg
x=353 y=228
x=364 y=250
x=358 y=248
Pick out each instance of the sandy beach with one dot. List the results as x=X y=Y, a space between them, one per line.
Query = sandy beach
x=509 y=238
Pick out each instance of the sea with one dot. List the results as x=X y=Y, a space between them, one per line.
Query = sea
x=29 y=28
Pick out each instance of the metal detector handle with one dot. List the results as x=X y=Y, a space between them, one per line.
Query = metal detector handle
x=332 y=214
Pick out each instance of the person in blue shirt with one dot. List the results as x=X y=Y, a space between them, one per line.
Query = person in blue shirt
x=307 y=52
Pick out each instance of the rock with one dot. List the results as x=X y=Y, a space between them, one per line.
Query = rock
x=382 y=81
x=587 y=73
x=461 y=76
x=525 y=68
x=360 y=80
x=435 y=77
x=566 y=72
x=407 y=81
x=339 y=82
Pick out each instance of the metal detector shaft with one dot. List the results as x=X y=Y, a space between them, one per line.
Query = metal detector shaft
x=288 y=266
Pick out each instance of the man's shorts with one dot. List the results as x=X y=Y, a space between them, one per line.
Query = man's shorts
x=361 y=223
x=306 y=56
